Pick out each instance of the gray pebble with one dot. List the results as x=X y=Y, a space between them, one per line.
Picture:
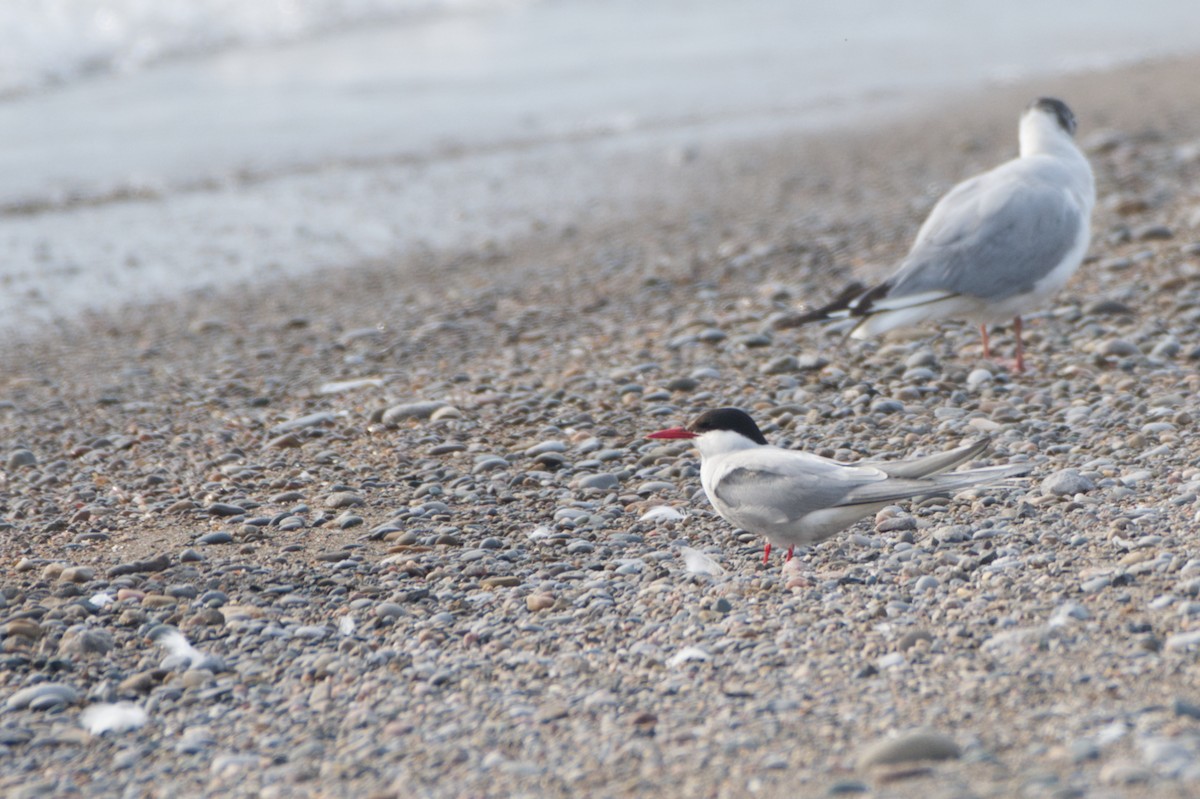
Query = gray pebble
x=20 y=458
x=979 y=377
x=1119 y=348
x=343 y=499
x=214 y=598
x=1185 y=640
x=603 y=481
x=1183 y=707
x=1153 y=233
x=909 y=746
x=1083 y=750
x=887 y=406
x=1167 y=347
x=311 y=420
x=411 y=410
x=218 y=537
x=550 y=460
x=910 y=639
x=312 y=632
x=847 y=788
x=1067 y=482
x=781 y=365
x=86 y=642
x=489 y=463
x=155 y=564
x=54 y=693
x=388 y=610
x=194 y=741
x=546 y=446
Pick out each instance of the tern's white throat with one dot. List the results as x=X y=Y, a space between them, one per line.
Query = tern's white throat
x=720 y=442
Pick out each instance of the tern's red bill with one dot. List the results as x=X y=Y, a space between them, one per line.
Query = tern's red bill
x=673 y=432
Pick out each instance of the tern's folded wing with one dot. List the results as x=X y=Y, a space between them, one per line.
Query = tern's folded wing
x=896 y=489
x=931 y=464
x=778 y=486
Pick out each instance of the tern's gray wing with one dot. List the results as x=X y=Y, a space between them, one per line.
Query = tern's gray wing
x=772 y=486
x=930 y=464
x=995 y=236
x=896 y=488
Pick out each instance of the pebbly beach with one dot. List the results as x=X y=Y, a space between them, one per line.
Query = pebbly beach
x=406 y=513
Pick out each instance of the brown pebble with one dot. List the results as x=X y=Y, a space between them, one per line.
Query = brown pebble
x=896 y=524
x=133 y=617
x=210 y=617
x=285 y=441
x=143 y=682
x=52 y=571
x=77 y=574
x=157 y=601
x=500 y=581
x=25 y=628
x=536 y=602
x=195 y=678
x=129 y=593
x=241 y=612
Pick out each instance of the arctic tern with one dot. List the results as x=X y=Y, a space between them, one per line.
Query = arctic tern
x=792 y=497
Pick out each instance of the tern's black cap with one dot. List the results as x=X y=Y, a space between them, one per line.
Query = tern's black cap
x=733 y=419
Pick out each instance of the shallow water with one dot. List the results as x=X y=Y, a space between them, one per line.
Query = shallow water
x=277 y=150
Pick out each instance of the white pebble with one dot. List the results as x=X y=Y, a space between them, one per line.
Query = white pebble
x=697 y=562
x=119 y=717
x=662 y=513
x=687 y=655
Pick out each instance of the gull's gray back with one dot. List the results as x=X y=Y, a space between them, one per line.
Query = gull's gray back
x=995 y=236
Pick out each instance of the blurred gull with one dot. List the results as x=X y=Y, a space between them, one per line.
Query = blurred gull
x=997 y=246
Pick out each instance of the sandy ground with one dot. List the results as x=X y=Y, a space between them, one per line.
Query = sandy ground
x=1053 y=649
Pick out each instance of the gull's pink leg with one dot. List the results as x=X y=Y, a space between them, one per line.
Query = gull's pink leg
x=1020 y=347
x=789 y=554
x=987 y=351
x=766 y=552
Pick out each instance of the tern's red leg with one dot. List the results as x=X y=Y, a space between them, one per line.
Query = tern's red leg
x=789 y=554
x=987 y=351
x=1020 y=346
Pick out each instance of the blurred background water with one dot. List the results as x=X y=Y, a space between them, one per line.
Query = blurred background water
x=153 y=146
